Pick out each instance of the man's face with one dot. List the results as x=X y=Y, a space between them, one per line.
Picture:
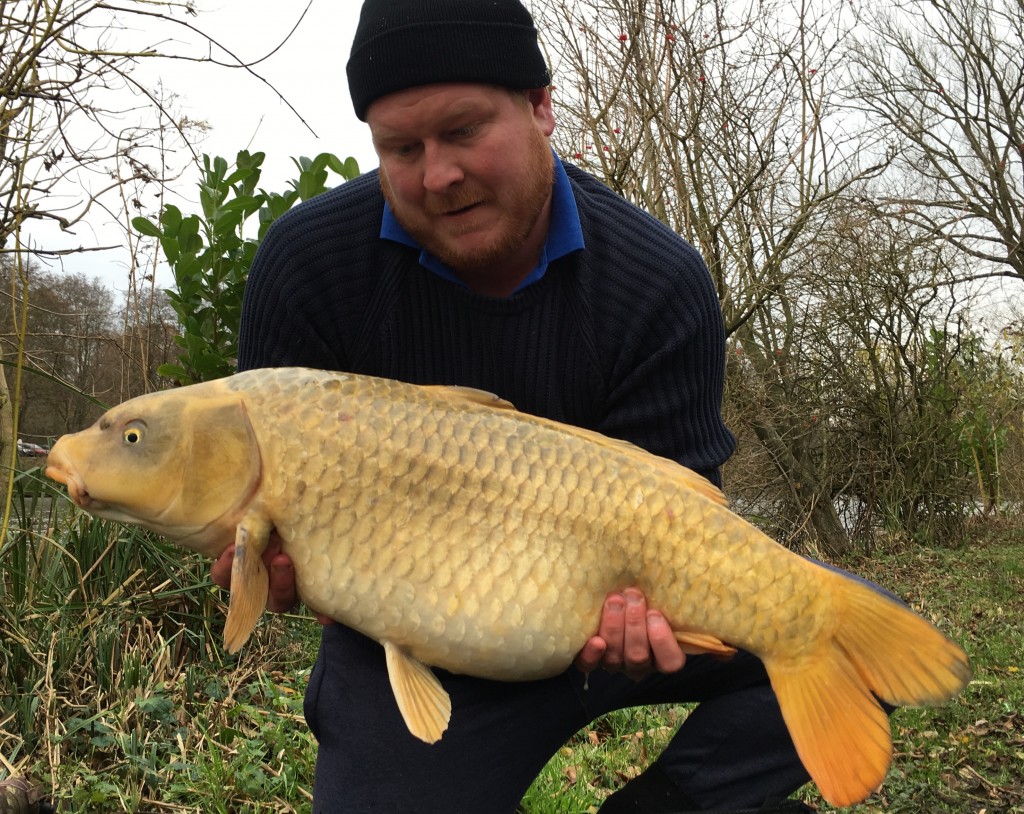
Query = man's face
x=468 y=171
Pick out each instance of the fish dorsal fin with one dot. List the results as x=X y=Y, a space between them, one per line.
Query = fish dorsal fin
x=423 y=702
x=250 y=582
x=457 y=393
x=666 y=466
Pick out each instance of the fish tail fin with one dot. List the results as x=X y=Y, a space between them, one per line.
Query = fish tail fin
x=879 y=649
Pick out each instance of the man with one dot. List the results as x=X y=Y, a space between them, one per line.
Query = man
x=475 y=257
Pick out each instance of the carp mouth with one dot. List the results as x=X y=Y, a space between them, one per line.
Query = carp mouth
x=76 y=486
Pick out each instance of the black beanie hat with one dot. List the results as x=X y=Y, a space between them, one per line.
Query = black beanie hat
x=403 y=44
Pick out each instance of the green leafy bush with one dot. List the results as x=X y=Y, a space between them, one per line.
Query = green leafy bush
x=210 y=253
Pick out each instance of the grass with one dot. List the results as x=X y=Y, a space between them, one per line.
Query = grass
x=114 y=691
x=116 y=696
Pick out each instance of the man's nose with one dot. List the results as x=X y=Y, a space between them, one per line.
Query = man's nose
x=441 y=170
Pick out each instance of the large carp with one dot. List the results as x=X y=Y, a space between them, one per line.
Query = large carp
x=462 y=534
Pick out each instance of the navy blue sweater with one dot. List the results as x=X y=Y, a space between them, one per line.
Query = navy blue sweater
x=624 y=337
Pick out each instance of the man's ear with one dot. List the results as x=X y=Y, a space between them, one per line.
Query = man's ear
x=543 y=112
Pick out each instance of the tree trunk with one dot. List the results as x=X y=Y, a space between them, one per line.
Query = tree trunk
x=7 y=439
x=810 y=496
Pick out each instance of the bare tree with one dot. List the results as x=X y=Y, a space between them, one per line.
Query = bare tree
x=80 y=132
x=75 y=121
x=945 y=78
x=145 y=342
x=893 y=327
x=723 y=121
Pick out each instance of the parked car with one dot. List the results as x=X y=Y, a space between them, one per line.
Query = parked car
x=32 y=450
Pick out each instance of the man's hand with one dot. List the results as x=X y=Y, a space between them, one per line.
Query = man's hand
x=631 y=639
x=282 y=596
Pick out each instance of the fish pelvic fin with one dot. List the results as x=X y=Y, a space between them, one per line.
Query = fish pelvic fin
x=879 y=649
x=423 y=702
x=250 y=582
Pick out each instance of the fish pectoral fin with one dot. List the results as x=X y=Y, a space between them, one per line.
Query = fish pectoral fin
x=250 y=582
x=423 y=702
x=695 y=643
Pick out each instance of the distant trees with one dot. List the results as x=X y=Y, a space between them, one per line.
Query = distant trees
x=77 y=352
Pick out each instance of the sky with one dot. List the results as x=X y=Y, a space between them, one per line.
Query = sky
x=243 y=112
x=308 y=71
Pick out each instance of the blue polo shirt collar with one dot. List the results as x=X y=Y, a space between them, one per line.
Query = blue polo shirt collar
x=564 y=236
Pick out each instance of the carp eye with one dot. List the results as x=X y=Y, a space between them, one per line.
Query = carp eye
x=132 y=435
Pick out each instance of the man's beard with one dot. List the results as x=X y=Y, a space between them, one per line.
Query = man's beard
x=521 y=205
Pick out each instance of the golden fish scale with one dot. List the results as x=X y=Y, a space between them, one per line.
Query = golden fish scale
x=482 y=538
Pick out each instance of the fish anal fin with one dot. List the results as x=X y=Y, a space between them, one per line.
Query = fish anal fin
x=694 y=643
x=250 y=582
x=423 y=702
